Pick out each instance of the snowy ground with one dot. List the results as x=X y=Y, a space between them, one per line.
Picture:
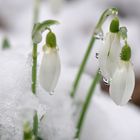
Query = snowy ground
x=104 y=119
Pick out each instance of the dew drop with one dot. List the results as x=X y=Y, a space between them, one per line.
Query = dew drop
x=99 y=71
x=99 y=35
x=106 y=81
x=97 y=55
x=115 y=12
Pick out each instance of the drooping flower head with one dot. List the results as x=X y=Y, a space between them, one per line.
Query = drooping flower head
x=115 y=65
x=123 y=80
x=50 y=65
x=110 y=52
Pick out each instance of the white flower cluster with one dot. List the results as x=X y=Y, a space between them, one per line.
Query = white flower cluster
x=115 y=65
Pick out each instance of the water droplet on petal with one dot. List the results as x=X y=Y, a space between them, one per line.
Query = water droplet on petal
x=106 y=81
x=115 y=12
x=97 y=55
x=99 y=35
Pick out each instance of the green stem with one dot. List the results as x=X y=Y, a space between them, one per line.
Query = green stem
x=86 y=104
x=98 y=29
x=34 y=52
x=34 y=68
x=36 y=10
x=35 y=125
x=82 y=66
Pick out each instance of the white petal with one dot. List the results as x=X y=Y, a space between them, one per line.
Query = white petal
x=50 y=70
x=103 y=56
x=109 y=55
x=122 y=84
x=114 y=55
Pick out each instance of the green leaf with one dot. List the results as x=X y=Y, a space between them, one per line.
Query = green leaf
x=38 y=138
x=28 y=134
x=35 y=124
x=5 y=43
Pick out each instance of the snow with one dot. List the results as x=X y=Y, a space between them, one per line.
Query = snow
x=17 y=103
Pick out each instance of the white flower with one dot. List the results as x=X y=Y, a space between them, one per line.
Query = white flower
x=109 y=55
x=122 y=84
x=50 y=69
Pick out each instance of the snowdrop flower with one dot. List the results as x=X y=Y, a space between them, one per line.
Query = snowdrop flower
x=50 y=65
x=123 y=80
x=110 y=52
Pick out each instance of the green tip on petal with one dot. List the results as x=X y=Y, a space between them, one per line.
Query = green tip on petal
x=51 y=40
x=114 y=26
x=126 y=53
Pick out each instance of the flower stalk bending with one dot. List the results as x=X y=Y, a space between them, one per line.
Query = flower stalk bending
x=115 y=64
x=98 y=30
x=38 y=29
x=36 y=39
x=50 y=65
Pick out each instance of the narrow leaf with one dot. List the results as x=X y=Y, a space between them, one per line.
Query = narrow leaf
x=35 y=124
x=5 y=43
